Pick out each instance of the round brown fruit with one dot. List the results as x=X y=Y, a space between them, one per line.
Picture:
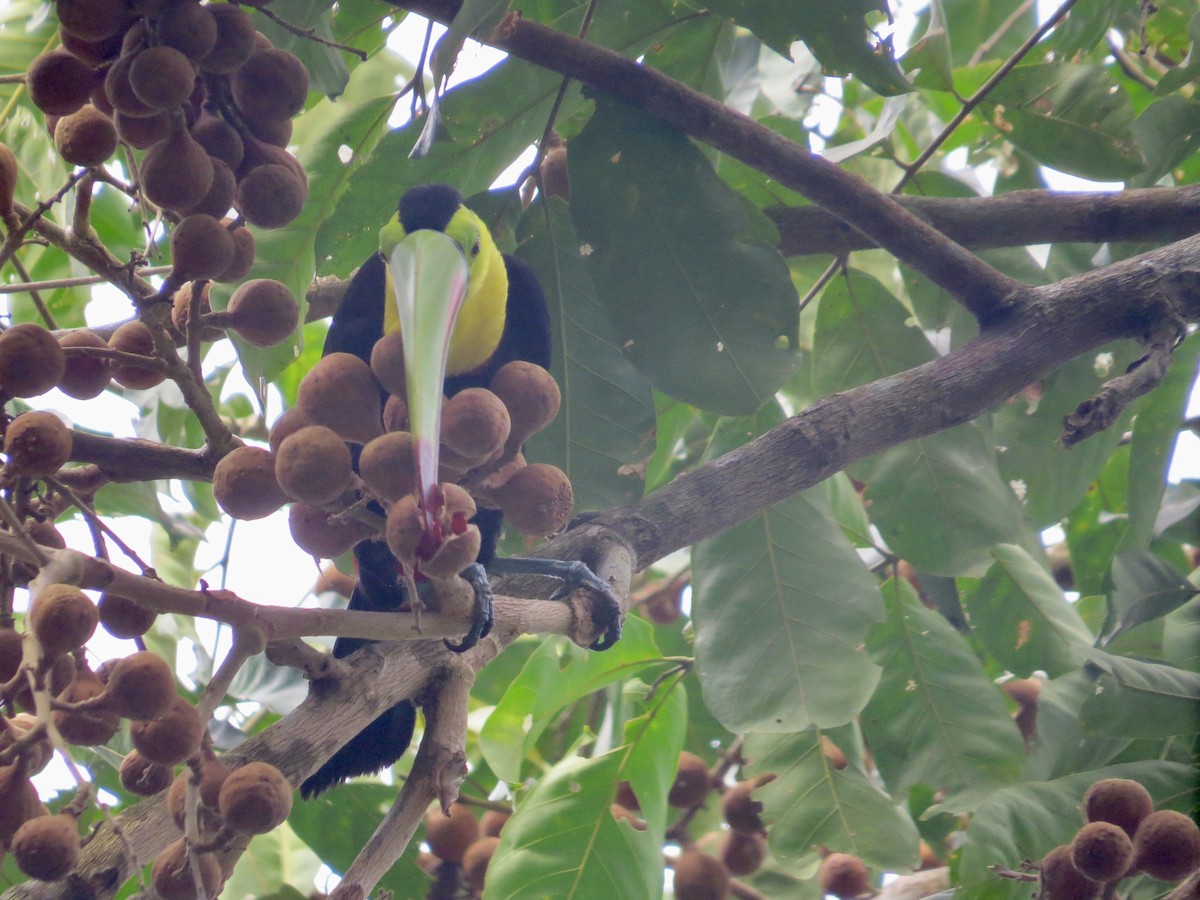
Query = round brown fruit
x=843 y=875
x=142 y=777
x=271 y=84
x=213 y=774
x=35 y=755
x=11 y=652
x=18 y=802
x=699 y=876
x=31 y=360
x=219 y=139
x=340 y=393
x=135 y=337
x=172 y=874
x=405 y=529
x=92 y=20
x=313 y=465
x=270 y=196
x=177 y=173
x=531 y=395
x=475 y=423
x=1058 y=879
x=743 y=854
x=243 y=253
x=201 y=248
x=244 y=483
x=47 y=847
x=255 y=798
x=122 y=618
x=291 y=421
x=141 y=686
x=181 y=310
x=188 y=27
x=537 y=499
x=626 y=797
x=317 y=533
x=690 y=786
x=493 y=822
x=94 y=53
x=1120 y=801
x=1167 y=846
x=387 y=466
x=740 y=809
x=62 y=618
x=119 y=91
x=59 y=83
x=83 y=377
x=387 y=363
x=457 y=551
x=89 y=728
x=450 y=836
x=1101 y=851
x=86 y=137
x=476 y=859
x=263 y=312
x=219 y=200
x=10 y=172
x=162 y=77
x=62 y=670
x=172 y=737
x=235 y=40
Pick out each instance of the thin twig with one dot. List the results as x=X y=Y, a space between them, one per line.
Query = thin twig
x=90 y=514
x=309 y=34
x=34 y=295
x=1005 y=27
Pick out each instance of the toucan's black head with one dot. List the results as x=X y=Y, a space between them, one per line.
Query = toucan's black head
x=428 y=206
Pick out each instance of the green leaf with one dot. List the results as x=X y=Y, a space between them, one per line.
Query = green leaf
x=338 y=824
x=812 y=804
x=556 y=674
x=783 y=602
x=1136 y=698
x=1145 y=588
x=1028 y=820
x=606 y=424
x=699 y=306
x=1181 y=637
x=1020 y=614
x=1166 y=133
x=475 y=18
x=1084 y=27
x=1060 y=746
x=1073 y=118
x=836 y=34
x=274 y=865
x=936 y=718
x=931 y=53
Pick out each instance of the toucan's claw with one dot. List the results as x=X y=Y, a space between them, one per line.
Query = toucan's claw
x=574 y=574
x=482 y=617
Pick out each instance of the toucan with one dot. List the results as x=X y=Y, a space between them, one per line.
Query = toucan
x=464 y=309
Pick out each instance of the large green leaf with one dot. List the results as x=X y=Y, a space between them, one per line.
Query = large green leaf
x=1138 y=698
x=936 y=718
x=782 y=602
x=1074 y=118
x=812 y=804
x=272 y=863
x=1060 y=746
x=836 y=33
x=606 y=423
x=1181 y=637
x=1026 y=821
x=1145 y=588
x=1021 y=616
x=699 y=305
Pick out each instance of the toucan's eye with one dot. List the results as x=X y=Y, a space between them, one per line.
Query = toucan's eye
x=475 y=249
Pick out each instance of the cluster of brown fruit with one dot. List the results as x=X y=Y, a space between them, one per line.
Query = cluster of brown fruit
x=460 y=849
x=196 y=86
x=311 y=462
x=1123 y=836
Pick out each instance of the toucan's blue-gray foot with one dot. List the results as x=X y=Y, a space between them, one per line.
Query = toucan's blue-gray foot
x=573 y=574
x=482 y=616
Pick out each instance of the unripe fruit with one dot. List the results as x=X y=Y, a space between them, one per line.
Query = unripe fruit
x=255 y=798
x=201 y=248
x=291 y=421
x=18 y=802
x=58 y=83
x=141 y=686
x=1167 y=846
x=47 y=848
x=742 y=854
x=340 y=392
x=699 y=876
x=1120 y=801
x=122 y=618
x=244 y=484
x=475 y=423
x=142 y=132
x=86 y=137
x=176 y=172
x=317 y=533
x=219 y=200
x=63 y=618
x=271 y=84
x=83 y=377
x=843 y=875
x=135 y=337
x=690 y=786
x=476 y=859
x=142 y=777
x=263 y=312
x=172 y=874
x=386 y=465
x=531 y=395
x=162 y=77
x=739 y=807
x=86 y=728
x=9 y=173
x=120 y=93
x=833 y=754
x=537 y=499
x=189 y=28
x=1101 y=851
x=37 y=444
x=387 y=364
x=270 y=196
x=92 y=20
x=1058 y=879
x=244 y=247
x=219 y=139
x=450 y=836
x=31 y=360
x=314 y=466
x=235 y=40
x=172 y=737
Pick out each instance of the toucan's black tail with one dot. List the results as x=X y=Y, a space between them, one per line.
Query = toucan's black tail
x=376 y=747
